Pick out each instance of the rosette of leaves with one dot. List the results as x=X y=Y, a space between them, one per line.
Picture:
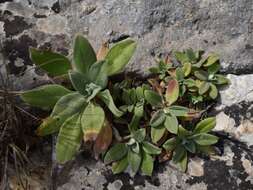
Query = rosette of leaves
x=202 y=74
x=138 y=154
x=191 y=141
x=79 y=113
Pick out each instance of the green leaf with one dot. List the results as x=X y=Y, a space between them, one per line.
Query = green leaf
x=191 y=55
x=67 y=106
x=92 y=120
x=205 y=139
x=120 y=166
x=147 y=164
x=135 y=147
x=138 y=113
x=134 y=160
x=178 y=111
x=190 y=146
x=181 y=57
x=157 y=133
x=182 y=132
x=213 y=91
x=221 y=80
x=69 y=139
x=179 y=74
x=183 y=162
x=171 y=124
x=172 y=91
x=98 y=73
x=119 y=56
x=44 y=97
x=170 y=144
x=79 y=82
x=179 y=154
x=139 y=93
x=187 y=69
x=204 y=87
x=205 y=125
x=106 y=97
x=150 y=148
x=190 y=83
x=153 y=98
x=84 y=55
x=139 y=135
x=201 y=75
x=211 y=60
x=213 y=69
x=117 y=152
x=157 y=118
x=54 y=64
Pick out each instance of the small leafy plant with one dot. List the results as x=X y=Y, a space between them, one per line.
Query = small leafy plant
x=131 y=123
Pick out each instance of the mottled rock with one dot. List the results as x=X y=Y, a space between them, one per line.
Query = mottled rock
x=159 y=27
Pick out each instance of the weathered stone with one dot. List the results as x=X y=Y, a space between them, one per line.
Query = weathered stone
x=158 y=26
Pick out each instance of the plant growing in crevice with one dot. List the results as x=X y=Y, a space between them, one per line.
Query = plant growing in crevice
x=131 y=123
x=79 y=114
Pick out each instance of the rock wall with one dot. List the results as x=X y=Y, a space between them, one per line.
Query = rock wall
x=159 y=26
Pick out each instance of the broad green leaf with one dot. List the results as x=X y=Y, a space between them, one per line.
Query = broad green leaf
x=205 y=125
x=179 y=154
x=54 y=64
x=134 y=160
x=150 y=148
x=211 y=60
x=139 y=93
x=67 y=106
x=138 y=113
x=182 y=132
x=79 y=82
x=171 y=123
x=220 y=79
x=183 y=162
x=187 y=69
x=213 y=69
x=170 y=144
x=213 y=93
x=157 y=133
x=157 y=118
x=191 y=55
x=104 y=139
x=178 y=111
x=204 y=87
x=172 y=91
x=201 y=75
x=93 y=119
x=83 y=55
x=153 y=98
x=179 y=74
x=120 y=166
x=205 y=139
x=44 y=97
x=117 y=152
x=106 y=97
x=190 y=146
x=98 y=73
x=69 y=139
x=147 y=164
x=181 y=57
x=119 y=56
x=139 y=135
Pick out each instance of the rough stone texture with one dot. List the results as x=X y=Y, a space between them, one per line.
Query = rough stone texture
x=159 y=26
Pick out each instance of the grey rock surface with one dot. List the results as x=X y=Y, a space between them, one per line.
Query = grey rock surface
x=159 y=26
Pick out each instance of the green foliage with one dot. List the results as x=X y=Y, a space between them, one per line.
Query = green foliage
x=131 y=123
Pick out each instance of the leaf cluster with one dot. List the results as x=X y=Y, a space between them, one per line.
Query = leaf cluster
x=130 y=123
